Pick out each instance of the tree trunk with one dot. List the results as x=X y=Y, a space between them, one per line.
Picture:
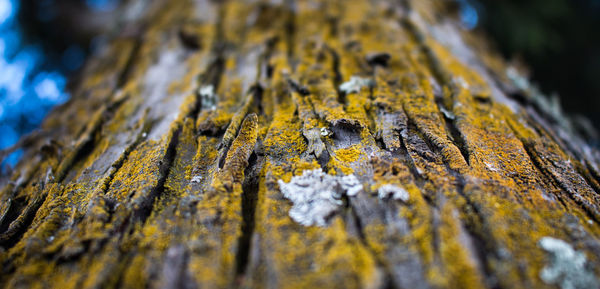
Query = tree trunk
x=301 y=144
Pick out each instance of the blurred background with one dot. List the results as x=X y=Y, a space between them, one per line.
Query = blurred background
x=44 y=42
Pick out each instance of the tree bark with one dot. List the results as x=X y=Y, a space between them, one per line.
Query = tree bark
x=427 y=161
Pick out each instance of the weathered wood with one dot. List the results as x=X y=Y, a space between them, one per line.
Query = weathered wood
x=438 y=165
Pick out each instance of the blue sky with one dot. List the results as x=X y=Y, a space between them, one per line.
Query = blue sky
x=28 y=88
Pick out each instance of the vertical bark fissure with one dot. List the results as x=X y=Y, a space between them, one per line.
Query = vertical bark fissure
x=21 y=224
x=116 y=280
x=250 y=184
x=539 y=164
x=215 y=69
x=174 y=270
x=118 y=164
x=545 y=173
x=142 y=213
x=593 y=172
x=128 y=68
x=544 y=130
x=337 y=75
x=371 y=112
x=290 y=30
x=455 y=135
x=380 y=260
x=249 y=203
x=482 y=238
x=212 y=76
x=588 y=177
x=442 y=77
x=16 y=203
x=412 y=167
x=12 y=212
x=572 y=195
x=83 y=148
x=13 y=187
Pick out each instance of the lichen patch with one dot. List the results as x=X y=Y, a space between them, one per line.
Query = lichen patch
x=396 y=193
x=355 y=84
x=317 y=195
x=208 y=96
x=567 y=267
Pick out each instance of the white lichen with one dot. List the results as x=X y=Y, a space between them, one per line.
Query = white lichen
x=316 y=196
x=448 y=114
x=206 y=90
x=350 y=185
x=396 y=193
x=196 y=179
x=491 y=167
x=325 y=131
x=208 y=96
x=355 y=84
x=462 y=82
x=567 y=267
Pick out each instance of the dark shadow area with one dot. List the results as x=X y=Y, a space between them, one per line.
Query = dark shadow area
x=557 y=39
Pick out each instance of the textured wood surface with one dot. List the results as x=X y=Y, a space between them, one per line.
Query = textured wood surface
x=166 y=168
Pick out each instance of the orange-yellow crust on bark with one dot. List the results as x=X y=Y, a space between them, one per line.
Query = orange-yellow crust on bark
x=148 y=177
